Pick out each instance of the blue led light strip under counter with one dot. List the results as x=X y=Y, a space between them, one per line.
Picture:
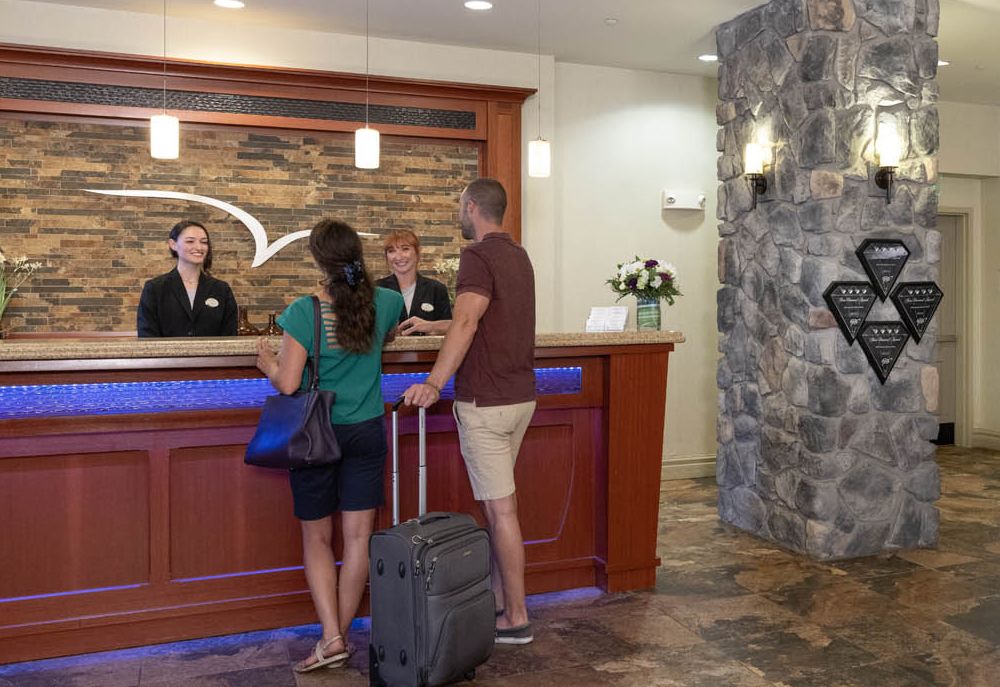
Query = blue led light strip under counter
x=54 y=400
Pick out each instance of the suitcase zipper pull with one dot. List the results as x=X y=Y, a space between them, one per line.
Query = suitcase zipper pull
x=430 y=573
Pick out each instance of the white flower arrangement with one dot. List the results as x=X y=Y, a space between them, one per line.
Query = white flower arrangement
x=447 y=269
x=646 y=278
x=13 y=273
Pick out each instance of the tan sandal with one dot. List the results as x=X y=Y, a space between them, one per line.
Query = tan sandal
x=322 y=661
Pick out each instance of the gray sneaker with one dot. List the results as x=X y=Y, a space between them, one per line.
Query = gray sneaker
x=515 y=635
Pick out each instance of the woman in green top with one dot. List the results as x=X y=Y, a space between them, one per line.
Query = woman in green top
x=358 y=319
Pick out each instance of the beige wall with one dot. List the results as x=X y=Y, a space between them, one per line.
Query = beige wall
x=970 y=185
x=986 y=431
x=624 y=136
x=970 y=139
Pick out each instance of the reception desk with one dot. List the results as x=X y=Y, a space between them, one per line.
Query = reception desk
x=129 y=517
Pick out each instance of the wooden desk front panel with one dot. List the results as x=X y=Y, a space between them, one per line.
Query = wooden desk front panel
x=131 y=530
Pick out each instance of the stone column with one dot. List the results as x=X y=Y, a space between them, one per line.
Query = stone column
x=814 y=452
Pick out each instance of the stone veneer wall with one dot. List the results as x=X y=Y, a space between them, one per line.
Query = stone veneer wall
x=99 y=250
x=814 y=453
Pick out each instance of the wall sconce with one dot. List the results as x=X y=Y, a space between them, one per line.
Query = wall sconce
x=754 y=159
x=887 y=149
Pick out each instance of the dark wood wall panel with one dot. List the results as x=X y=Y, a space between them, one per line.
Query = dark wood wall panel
x=503 y=161
x=73 y=522
x=226 y=517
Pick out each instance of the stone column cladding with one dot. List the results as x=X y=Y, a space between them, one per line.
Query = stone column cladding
x=814 y=453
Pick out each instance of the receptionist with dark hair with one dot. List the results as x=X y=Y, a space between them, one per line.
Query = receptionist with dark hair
x=187 y=301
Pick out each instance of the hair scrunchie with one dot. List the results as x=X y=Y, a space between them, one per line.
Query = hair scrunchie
x=353 y=271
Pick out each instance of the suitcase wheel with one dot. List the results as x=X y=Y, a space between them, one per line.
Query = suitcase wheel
x=374 y=678
x=471 y=675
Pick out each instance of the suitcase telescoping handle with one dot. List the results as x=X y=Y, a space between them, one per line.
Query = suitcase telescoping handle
x=422 y=460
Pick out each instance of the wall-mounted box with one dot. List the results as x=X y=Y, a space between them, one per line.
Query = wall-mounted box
x=683 y=200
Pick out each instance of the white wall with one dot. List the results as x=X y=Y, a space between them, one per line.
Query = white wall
x=970 y=139
x=986 y=431
x=623 y=137
x=970 y=184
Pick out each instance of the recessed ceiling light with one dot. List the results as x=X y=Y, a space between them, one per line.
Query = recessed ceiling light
x=610 y=21
x=943 y=63
x=230 y=4
x=478 y=5
x=708 y=58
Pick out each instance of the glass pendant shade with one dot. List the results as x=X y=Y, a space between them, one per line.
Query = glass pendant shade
x=366 y=148
x=539 y=158
x=164 y=137
x=754 y=158
x=887 y=145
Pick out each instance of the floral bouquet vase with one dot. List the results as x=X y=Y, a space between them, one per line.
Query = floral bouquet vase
x=650 y=281
x=647 y=314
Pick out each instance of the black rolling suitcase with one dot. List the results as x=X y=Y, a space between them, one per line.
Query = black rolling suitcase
x=432 y=610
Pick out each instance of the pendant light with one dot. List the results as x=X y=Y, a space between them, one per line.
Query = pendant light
x=539 y=151
x=366 y=139
x=164 y=130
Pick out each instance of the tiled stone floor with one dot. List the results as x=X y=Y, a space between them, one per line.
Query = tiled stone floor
x=728 y=610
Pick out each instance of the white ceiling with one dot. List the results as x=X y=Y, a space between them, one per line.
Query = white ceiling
x=660 y=35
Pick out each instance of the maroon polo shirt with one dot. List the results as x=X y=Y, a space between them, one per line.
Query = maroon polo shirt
x=499 y=367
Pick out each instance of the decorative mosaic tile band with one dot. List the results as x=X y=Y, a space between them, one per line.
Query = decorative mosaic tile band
x=20 y=402
x=130 y=96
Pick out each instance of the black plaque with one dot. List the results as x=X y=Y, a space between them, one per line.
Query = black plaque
x=882 y=343
x=916 y=301
x=883 y=260
x=850 y=301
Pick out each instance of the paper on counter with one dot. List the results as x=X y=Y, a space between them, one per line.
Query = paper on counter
x=611 y=318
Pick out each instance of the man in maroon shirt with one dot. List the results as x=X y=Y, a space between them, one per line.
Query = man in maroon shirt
x=490 y=347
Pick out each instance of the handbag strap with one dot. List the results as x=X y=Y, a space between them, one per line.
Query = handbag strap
x=317 y=329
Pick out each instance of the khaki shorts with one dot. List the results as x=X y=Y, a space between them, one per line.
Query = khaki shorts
x=491 y=437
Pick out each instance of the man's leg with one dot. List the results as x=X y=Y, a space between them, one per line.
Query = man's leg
x=508 y=556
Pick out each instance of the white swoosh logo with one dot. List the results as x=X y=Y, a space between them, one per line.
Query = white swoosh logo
x=262 y=250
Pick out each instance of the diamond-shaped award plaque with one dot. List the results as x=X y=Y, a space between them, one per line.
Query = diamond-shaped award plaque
x=916 y=301
x=883 y=260
x=882 y=343
x=850 y=302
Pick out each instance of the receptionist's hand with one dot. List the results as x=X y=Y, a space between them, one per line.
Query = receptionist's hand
x=414 y=325
x=423 y=395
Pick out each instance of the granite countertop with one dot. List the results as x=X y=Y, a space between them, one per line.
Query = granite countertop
x=127 y=347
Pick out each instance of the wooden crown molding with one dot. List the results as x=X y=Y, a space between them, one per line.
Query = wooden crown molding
x=52 y=60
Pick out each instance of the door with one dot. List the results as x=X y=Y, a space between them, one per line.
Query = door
x=948 y=343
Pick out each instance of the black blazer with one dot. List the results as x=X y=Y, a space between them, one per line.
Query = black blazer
x=430 y=298
x=164 y=308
